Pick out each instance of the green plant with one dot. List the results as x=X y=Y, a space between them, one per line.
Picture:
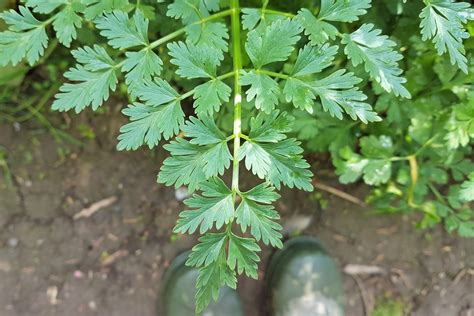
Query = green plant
x=388 y=307
x=257 y=49
x=423 y=147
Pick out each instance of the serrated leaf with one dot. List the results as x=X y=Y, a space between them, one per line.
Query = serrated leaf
x=157 y=93
x=442 y=21
x=45 y=7
x=91 y=87
x=148 y=125
x=313 y=59
x=352 y=169
x=214 y=34
x=191 y=10
x=65 y=25
x=25 y=38
x=211 y=278
x=205 y=155
x=208 y=250
x=343 y=10
x=191 y=164
x=460 y=126
x=298 y=93
x=270 y=128
x=123 y=32
x=96 y=8
x=203 y=131
x=243 y=255
x=195 y=61
x=377 y=172
x=376 y=147
x=467 y=189
x=376 y=52
x=250 y=18
x=273 y=43
x=318 y=31
x=338 y=93
x=260 y=217
x=210 y=96
x=141 y=66
x=466 y=229
x=374 y=165
x=215 y=207
x=276 y=159
x=263 y=89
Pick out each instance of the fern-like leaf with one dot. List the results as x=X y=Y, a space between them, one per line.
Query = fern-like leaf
x=367 y=46
x=94 y=77
x=442 y=21
x=25 y=38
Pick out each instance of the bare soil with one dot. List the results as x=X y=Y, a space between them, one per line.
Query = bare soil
x=111 y=263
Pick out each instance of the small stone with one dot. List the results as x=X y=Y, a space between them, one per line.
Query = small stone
x=5 y=266
x=296 y=224
x=78 y=274
x=12 y=242
x=467 y=312
x=181 y=194
x=52 y=293
x=16 y=127
x=92 y=305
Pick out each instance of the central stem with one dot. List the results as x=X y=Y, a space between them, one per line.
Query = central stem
x=237 y=61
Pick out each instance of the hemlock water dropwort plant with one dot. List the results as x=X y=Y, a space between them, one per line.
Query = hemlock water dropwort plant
x=231 y=55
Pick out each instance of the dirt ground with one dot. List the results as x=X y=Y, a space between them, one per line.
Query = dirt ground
x=111 y=263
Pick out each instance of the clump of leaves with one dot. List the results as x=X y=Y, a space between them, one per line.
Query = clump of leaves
x=230 y=55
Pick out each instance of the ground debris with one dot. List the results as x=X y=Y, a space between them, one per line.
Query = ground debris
x=52 y=293
x=91 y=210
x=357 y=269
x=108 y=260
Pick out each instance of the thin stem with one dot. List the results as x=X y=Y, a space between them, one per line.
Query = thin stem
x=50 y=20
x=273 y=74
x=245 y=137
x=276 y=12
x=237 y=61
x=166 y=38
x=437 y=193
x=191 y=92
x=181 y=31
x=426 y=145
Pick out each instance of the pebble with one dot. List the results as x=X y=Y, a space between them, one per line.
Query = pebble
x=78 y=274
x=181 y=194
x=17 y=127
x=92 y=305
x=12 y=242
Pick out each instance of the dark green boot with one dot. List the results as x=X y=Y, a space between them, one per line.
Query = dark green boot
x=180 y=288
x=303 y=280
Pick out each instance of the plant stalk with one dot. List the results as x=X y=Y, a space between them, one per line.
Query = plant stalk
x=237 y=61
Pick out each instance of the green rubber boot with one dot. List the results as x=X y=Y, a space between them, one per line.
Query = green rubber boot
x=180 y=288
x=303 y=280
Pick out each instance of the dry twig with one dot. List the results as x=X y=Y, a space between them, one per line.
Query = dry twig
x=341 y=194
x=91 y=210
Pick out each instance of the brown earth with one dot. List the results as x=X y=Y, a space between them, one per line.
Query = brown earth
x=111 y=263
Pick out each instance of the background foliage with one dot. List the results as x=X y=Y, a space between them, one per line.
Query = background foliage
x=414 y=147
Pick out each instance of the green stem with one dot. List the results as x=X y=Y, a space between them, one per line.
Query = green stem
x=191 y=92
x=245 y=137
x=437 y=194
x=166 y=38
x=237 y=61
x=275 y=12
x=272 y=74
x=181 y=31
